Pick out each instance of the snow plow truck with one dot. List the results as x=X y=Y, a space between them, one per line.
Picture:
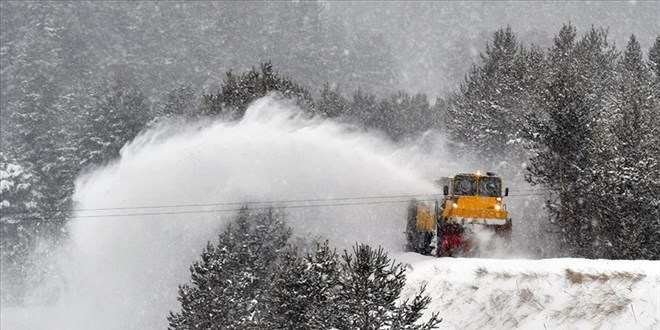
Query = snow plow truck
x=446 y=227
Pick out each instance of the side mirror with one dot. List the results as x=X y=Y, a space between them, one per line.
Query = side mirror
x=445 y=190
x=506 y=191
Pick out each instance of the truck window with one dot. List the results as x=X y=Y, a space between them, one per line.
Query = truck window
x=490 y=186
x=465 y=185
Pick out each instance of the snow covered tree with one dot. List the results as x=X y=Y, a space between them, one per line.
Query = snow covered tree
x=636 y=105
x=18 y=222
x=115 y=115
x=561 y=131
x=489 y=111
x=370 y=286
x=304 y=290
x=363 y=107
x=331 y=103
x=252 y=279
x=180 y=101
x=631 y=186
x=654 y=58
x=403 y=115
x=229 y=283
x=569 y=130
x=16 y=181
x=399 y=115
x=359 y=291
x=40 y=139
x=238 y=91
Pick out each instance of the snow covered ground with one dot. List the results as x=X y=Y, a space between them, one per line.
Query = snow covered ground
x=538 y=294
x=472 y=293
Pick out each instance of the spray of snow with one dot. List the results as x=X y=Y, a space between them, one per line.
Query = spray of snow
x=488 y=244
x=122 y=269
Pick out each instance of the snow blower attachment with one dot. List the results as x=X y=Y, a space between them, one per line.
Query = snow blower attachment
x=445 y=228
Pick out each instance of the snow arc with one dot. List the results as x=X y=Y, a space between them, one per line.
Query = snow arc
x=123 y=268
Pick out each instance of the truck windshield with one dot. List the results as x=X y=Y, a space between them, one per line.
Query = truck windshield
x=465 y=185
x=489 y=186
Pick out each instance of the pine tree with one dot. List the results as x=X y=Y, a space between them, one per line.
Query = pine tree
x=229 y=284
x=253 y=280
x=40 y=139
x=237 y=92
x=370 y=287
x=363 y=107
x=631 y=189
x=403 y=115
x=304 y=291
x=360 y=291
x=569 y=130
x=19 y=203
x=492 y=103
x=331 y=103
x=40 y=144
x=178 y=102
x=654 y=58
x=117 y=112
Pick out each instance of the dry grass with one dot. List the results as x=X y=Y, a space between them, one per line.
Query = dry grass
x=597 y=306
x=503 y=275
x=576 y=277
x=482 y=271
x=603 y=295
x=573 y=276
x=525 y=295
x=531 y=275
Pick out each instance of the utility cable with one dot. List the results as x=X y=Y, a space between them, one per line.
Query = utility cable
x=114 y=215
x=229 y=203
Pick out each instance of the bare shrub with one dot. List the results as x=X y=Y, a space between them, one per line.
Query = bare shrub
x=481 y=271
x=525 y=295
x=576 y=277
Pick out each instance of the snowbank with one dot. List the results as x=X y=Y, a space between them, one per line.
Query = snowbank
x=538 y=294
x=508 y=294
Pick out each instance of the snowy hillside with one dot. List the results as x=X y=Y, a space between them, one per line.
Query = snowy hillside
x=538 y=294
x=509 y=294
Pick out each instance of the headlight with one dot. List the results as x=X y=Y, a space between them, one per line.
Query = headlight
x=499 y=199
x=498 y=207
x=454 y=205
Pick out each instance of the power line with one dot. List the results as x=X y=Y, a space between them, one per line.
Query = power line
x=531 y=194
x=115 y=215
x=223 y=210
x=533 y=190
x=238 y=209
x=246 y=203
x=229 y=203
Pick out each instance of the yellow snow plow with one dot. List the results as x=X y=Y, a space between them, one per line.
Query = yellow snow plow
x=443 y=227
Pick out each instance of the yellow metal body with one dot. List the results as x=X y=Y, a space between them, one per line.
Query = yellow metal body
x=463 y=209
x=426 y=218
x=475 y=209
